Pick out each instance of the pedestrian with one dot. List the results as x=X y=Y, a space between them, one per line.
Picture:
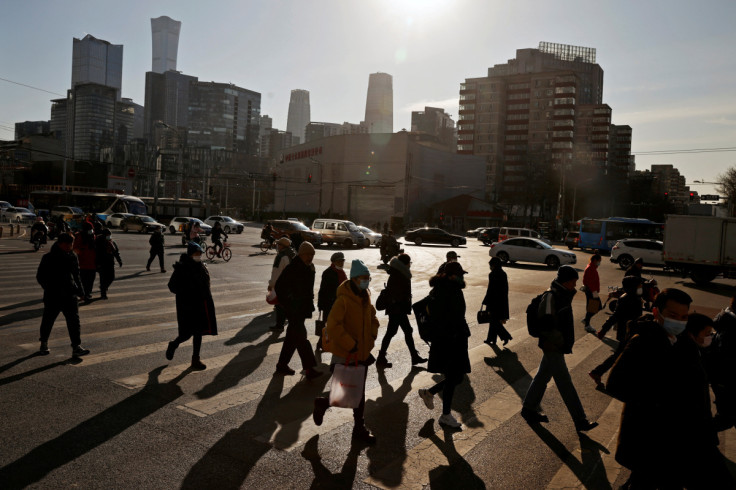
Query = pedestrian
x=448 y=353
x=398 y=291
x=106 y=253
x=644 y=377
x=628 y=308
x=556 y=340
x=295 y=292
x=721 y=364
x=156 y=242
x=450 y=257
x=592 y=289
x=635 y=268
x=195 y=309
x=696 y=433
x=332 y=277
x=217 y=237
x=283 y=256
x=84 y=247
x=351 y=332
x=58 y=275
x=389 y=246
x=497 y=303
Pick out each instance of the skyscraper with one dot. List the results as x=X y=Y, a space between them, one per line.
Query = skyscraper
x=379 y=105
x=165 y=36
x=97 y=61
x=299 y=115
x=167 y=100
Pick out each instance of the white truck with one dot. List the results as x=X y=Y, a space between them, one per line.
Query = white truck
x=701 y=247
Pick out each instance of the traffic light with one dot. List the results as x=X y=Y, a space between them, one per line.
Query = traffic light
x=692 y=196
x=442 y=216
x=666 y=195
x=309 y=178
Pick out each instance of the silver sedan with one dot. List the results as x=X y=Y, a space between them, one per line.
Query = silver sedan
x=531 y=250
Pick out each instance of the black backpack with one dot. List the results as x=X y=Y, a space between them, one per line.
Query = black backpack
x=382 y=300
x=422 y=313
x=533 y=322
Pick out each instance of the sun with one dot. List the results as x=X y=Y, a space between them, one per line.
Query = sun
x=417 y=10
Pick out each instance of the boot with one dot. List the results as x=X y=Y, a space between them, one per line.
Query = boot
x=170 y=350
x=416 y=358
x=44 y=348
x=362 y=434
x=382 y=362
x=197 y=364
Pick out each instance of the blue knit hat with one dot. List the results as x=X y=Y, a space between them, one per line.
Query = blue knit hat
x=193 y=248
x=358 y=268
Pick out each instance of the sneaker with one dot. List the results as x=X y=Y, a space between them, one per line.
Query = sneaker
x=489 y=343
x=44 y=348
x=103 y=296
x=321 y=405
x=507 y=341
x=601 y=334
x=533 y=417
x=597 y=379
x=170 y=350
x=363 y=435
x=163 y=270
x=197 y=365
x=585 y=426
x=78 y=351
x=450 y=421
x=148 y=268
x=590 y=329
x=285 y=370
x=417 y=359
x=427 y=397
x=312 y=373
x=382 y=362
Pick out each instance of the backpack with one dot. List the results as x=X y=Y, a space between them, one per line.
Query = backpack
x=382 y=301
x=533 y=322
x=425 y=325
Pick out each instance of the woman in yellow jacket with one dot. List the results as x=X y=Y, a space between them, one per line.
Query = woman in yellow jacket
x=351 y=331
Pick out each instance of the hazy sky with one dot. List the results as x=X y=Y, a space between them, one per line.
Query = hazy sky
x=669 y=68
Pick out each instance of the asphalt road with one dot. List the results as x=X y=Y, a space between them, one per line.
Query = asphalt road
x=125 y=417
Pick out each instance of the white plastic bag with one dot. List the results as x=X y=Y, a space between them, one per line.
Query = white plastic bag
x=348 y=383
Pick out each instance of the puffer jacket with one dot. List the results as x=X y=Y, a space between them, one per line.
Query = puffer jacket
x=352 y=326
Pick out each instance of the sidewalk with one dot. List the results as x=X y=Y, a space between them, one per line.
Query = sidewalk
x=6 y=231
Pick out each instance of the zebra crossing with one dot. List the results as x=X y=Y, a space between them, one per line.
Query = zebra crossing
x=129 y=333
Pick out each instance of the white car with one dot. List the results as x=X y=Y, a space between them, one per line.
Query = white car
x=626 y=251
x=531 y=250
x=177 y=225
x=113 y=221
x=228 y=224
x=17 y=214
x=370 y=235
x=5 y=205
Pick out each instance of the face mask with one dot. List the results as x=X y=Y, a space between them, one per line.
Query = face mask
x=108 y=238
x=90 y=232
x=338 y=267
x=706 y=342
x=363 y=284
x=640 y=291
x=197 y=258
x=674 y=327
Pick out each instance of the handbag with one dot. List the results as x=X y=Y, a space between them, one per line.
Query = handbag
x=484 y=316
x=348 y=384
x=319 y=324
x=593 y=306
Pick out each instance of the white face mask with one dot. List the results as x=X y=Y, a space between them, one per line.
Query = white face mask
x=674 y=327
x=338 y=267
x=706 y=342
x=197 y=258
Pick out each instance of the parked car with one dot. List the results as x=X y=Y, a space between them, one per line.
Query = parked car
x=489 y=235
x=372 y=237
x=572 y=239
x=506 y=232
x=17 y=214
x=531 y=250
x=67 y=212
x=140 y=223
x=474 y=233
x=434 y=235
x=339 y=231
x=228 y=224
x=113 y=221
x=5 y=204
x=283 y=227
x=626 y=251
x=176 y=225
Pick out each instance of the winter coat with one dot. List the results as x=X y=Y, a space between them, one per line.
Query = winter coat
x=497 y=294
x=721 y=355
x=628 y=308
x=157 y=241
x=398 y=288
x=195 y=309
x=591 y=279
x=332 y=277
x=58 y=274
x=295 y=288
x=280 y=262
x=352 y=326
x=106 y=252
x=644 y=377
x=448 y=353
x=84 y=247
x=633 y=270
x=555 y=312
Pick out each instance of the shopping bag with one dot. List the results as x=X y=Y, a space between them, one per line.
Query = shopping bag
x=593 y=306
x=484 y=316
x=319 y=324
x=348 y=382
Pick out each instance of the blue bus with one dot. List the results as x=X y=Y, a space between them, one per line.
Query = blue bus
x=601 y=234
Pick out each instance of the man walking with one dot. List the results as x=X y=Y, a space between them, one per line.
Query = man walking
x=106 y=253
x=283 y=257
x=157 y=249
x=451 y=256
x=332 y=277
x=556 y=340
x=58 y=275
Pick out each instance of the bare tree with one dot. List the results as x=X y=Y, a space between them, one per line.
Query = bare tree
x=727 y=186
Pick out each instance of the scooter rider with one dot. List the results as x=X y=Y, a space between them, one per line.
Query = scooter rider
x=39 y=227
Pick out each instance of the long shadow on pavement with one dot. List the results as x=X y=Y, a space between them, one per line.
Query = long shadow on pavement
x=21 y=305
x=19 y=376
x=506 y=364
x=20 y=316
x=88 y=435
x=12 y=364
x=458 y=473
x=324 y=478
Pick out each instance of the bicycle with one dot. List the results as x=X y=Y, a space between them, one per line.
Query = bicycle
x=225 y=253
x=267 y=245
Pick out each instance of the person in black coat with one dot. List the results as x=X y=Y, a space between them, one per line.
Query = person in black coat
x=295 y=291
x=195 y=309
x=398 y=291
x=106 y=253
x=720 y=360
x=635 y=268
x=332 y=277
x=448 y=353
x=157 y=249
x=497 y=302
x=58 y=275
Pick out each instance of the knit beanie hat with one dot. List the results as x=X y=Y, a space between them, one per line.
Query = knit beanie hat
x=307 y=248
x=193 y=248
x=566 y=273
x=358 y=268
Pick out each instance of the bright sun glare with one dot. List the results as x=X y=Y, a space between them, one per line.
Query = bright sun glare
x=414 y=10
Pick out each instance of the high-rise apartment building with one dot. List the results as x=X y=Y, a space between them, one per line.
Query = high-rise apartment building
x=27 y=128
x=299 y=114
x=264 y=135
x=165 y=37
x=167 y=100
x=91 y=120
x=436 y=122
x=379 y=104
x=318 y=130
x=97 y=61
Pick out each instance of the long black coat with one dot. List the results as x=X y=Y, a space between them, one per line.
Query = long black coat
x=295 y=288
x=195 y=309
x=398 y=288
x=328 y=288
x=58 y=274
x=497 y=294
x=448 y=353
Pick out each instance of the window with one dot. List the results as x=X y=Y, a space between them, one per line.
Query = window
x=318 y=225
x=342 y=227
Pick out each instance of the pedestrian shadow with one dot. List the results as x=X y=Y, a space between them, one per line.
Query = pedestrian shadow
x=88 y=435
x=463 y=401
x=507 y=365
x=296 y=406
x=20 y=316
x=458 y=473
x=252 y=330
x=19 y=376
x=12 y=364
x=13 y=252
x=712 y=287
x=323 y=477
x=590 y=471
x=134 y=275
x=21 y=305
x=387 y=456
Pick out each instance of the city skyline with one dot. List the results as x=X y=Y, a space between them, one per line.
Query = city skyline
x=667 y=71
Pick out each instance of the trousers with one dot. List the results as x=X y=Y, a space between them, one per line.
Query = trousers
x=396 y=320
x=296 y=340
x=152 y=254
x=447 y=387
x=553 y=366
x=68 y=307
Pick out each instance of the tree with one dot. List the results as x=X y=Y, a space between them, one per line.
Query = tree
x=727 y=186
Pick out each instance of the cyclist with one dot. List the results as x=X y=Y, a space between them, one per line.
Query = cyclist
x=217 y=233
x=267 y=233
